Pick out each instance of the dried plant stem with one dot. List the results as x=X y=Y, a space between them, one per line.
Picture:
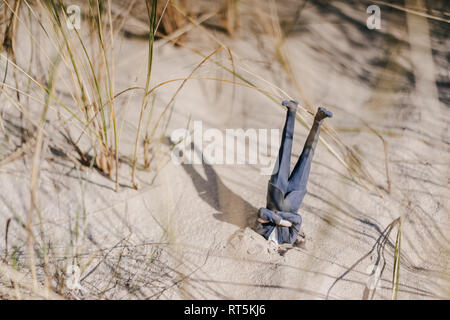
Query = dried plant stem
x=34 y=204
x=396 y=268
x=152 y=16
x=8 y=222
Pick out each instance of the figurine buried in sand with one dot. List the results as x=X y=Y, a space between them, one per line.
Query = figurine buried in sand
x=279 y=221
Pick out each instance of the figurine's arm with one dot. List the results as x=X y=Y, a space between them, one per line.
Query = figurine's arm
x=284 y=219
x=265 y=216
x=293 y=218
x=296 y=222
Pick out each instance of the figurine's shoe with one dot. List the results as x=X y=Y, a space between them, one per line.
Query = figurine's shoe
x=290 y=104
x=322 y=113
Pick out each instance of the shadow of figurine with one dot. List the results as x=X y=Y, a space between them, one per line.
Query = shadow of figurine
x=231 y=207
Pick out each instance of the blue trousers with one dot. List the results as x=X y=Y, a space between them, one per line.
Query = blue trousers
x=286 y=190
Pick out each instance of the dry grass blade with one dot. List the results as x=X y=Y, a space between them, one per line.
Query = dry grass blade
x=153 y=25
x=34 y=203
x=396 y=268
x=8 y=222
x=422 y=14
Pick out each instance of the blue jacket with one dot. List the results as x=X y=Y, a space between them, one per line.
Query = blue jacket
x=285 y=234
x=281 y=206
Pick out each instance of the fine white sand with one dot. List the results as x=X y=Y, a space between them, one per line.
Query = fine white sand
x=188 y=231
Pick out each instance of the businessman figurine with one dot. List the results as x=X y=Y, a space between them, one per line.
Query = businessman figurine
x=280 y=221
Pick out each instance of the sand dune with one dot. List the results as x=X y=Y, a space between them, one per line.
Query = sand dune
x=188 y=231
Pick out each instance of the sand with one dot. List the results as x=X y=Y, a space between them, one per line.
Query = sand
x=187 y=232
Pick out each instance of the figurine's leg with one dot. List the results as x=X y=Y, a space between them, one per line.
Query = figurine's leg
x=281 y=171
x=300 y=174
